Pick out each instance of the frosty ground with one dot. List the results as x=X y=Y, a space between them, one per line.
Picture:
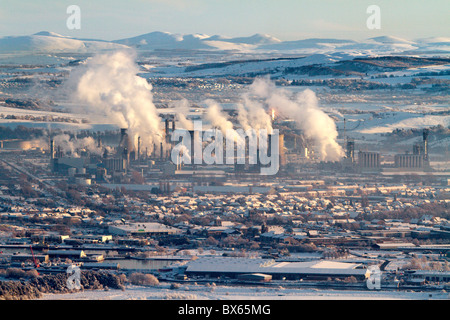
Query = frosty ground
x=204 y=292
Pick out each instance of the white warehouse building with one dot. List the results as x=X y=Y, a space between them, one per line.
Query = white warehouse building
x=234 y=267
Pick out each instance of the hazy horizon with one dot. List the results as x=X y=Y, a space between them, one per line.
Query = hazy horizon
x=223 y=35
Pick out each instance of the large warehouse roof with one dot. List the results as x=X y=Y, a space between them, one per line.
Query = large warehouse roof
x=246 y=265
x=143 y=227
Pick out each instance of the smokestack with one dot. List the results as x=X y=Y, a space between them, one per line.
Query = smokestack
x=123 y=143
x=345 y=130
x=52 y=149
x=425 y=144
x=162 y=151
x=167 y=129
x=124 y=146
x=139 y=149
x=418 y=149
x=350 y=148
x=123 y=132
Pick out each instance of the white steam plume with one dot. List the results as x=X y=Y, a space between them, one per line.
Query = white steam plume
x=219 y=120
x=253 y=115
x=181 y=109
x=108 y=84
x=216 y=117
x=304 y=109
x=72 y=146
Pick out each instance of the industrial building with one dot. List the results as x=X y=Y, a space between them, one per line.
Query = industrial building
x=24 y=257
x=234 y=267
x=123 y=162
x=82 y=168
x=63 y=164
x=117 y=163
x=418 y=159
x=422 y=276
x=350 y=150
x=368 y=160
x=409 y=161
x=67 y=254
x=144 y=229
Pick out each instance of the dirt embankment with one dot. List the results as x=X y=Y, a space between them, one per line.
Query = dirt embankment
x=34 y=288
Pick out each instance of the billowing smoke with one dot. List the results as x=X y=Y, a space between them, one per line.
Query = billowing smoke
x=181 y=109
x=109 y=86
x=304 y=109
x=73 y=146
x=252 y=114
x=218 y=119
x=264 y=96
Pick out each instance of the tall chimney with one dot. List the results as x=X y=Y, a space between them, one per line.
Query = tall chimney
x=123 y=132
x=167 y=129
x=350 y=148
x=139 y=149
x=52 y=149
x=425 y=144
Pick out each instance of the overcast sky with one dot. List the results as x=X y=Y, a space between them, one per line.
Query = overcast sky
x=283 y=19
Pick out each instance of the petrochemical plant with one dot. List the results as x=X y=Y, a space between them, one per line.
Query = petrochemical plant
x=125 y=161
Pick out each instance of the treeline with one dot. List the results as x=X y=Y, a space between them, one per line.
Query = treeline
x=29 y=104
x=352 y=84
x=36 y=286
x=20 y=132
x=23 y=132
x=438 y=130
x=42 y=118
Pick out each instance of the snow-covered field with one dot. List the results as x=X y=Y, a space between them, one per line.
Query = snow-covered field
x=202 y=292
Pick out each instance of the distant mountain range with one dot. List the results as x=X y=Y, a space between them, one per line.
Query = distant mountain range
x=50 y=42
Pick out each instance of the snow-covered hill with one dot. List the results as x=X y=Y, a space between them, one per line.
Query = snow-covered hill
x=314 y=66
x=264 y=42
x=50 y=42
x=164 y=40
x=167 y=40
